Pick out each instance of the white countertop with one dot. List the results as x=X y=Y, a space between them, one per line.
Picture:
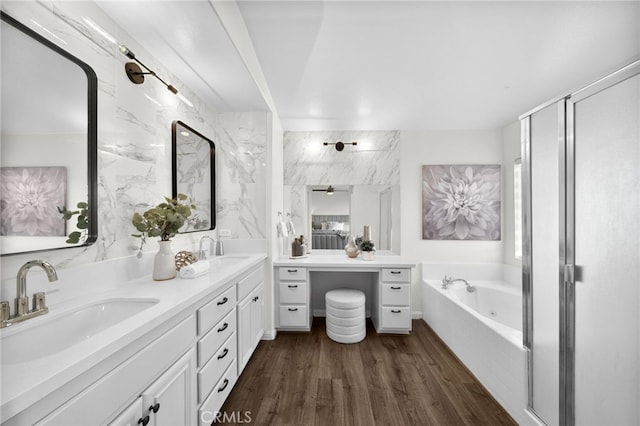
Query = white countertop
x=23 y=384
x=328 y=259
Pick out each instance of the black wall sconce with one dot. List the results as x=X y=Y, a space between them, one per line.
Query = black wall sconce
x=339 y=145
x=135 y=73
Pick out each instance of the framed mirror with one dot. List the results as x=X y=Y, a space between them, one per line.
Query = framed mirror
x=193 y=171
x=48 y=157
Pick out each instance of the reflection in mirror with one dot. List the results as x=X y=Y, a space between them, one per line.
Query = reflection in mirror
x=48 y=143
x=194 y=174
x=375 y=205
x=330 y=216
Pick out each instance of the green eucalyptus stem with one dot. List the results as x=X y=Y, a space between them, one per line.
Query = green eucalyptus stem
x=82 y=221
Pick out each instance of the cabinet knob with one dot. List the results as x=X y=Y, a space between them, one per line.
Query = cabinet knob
x=144 y=421
x=223 y=328
x=223 y=301
x=155 y=407
x=224 y=385
x=255 y=299
x=224 y=353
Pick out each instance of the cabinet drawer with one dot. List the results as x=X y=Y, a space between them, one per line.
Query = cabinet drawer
x=215 y=310
x=293 y=273
x=216 y=398
x=293 y=292
x=210 y=374
x=251 y=281
x=396 y=275
x=293 y=316
x=396 y=318
x=396 y=294
x=212 y=341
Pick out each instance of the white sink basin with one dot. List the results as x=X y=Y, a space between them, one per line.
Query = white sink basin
x=226 y=261
x=61 y=332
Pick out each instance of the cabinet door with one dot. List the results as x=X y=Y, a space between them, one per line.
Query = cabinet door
x=257 y=316
x=132 y=416
x=244 y=331
x=170 y=400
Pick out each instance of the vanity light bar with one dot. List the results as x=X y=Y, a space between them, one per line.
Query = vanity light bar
x=339 y=145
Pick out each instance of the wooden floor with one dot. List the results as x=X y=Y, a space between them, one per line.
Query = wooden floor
x=307 y=379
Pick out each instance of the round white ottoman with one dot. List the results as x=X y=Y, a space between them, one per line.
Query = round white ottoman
x=345 y=310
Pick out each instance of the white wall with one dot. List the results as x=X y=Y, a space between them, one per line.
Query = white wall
x=418 y=148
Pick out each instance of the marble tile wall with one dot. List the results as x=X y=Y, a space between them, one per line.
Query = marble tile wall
x=374 y=161
x=134 y=141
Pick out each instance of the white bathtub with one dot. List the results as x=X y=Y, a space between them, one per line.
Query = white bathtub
x=483 y=328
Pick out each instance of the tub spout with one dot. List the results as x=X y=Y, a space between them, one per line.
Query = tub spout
x=447 y=281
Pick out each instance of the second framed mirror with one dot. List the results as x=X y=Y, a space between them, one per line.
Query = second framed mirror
x=193 y=171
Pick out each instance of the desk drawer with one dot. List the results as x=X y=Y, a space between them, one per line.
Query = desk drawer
x=396 y=318
x=396 y=294
x=294 y=316
x=212 y=341
x=211 y=373
x=215 y=310
x=293 y=273
x=293 y=292
x=399 y=275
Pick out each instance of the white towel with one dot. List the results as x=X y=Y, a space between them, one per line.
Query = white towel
x=195 y=270
x=290 y=229
x=281 y=227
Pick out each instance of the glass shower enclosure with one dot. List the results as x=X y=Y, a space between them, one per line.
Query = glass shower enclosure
x=581 y=253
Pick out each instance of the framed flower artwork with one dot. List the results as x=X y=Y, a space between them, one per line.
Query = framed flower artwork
x=461 y=202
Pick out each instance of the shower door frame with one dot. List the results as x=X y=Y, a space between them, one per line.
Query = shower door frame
x=568 y=271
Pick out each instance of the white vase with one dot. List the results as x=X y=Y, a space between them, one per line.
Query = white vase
x=367 y=255
x=164 y=264
x=351 y=248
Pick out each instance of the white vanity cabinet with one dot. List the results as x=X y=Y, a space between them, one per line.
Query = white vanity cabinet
x=293 y=311
x=391 y=311
x=169 y=359
x=251 y=325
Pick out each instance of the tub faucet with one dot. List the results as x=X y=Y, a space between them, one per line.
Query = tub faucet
x=447 y=281
x=22 y=300
x=202 y=254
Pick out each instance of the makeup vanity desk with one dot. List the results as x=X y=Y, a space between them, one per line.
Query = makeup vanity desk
x=300 y=285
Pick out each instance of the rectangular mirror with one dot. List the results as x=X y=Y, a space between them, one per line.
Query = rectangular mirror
x=48 y=144
x=194 y=174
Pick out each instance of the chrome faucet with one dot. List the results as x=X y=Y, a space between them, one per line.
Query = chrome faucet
x=447 y=281
x=202 y=254
x=22 y=300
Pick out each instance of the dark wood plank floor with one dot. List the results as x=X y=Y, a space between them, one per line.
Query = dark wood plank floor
x=308 y=379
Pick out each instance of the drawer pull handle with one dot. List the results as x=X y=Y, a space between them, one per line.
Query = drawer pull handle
x=396 y=288
x=396 y=272
x=293 y=286
x=224 y=385
x=255 y=299
x=292 y=270
x=395 y=311
x=223 y=328
x=144 y=421
x=293 y=309
x=224 y=353
x=223 y=301
x=155 y=407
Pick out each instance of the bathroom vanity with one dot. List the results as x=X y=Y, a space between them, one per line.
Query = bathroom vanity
x=137 y=351
x=300 y=285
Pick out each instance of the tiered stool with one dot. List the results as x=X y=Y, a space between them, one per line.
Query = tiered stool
x=345 y=310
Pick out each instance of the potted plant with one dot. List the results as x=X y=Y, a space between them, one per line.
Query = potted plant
x=367 y=248
x=164 y=221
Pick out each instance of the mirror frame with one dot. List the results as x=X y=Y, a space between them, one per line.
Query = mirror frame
x=174 y=167
x=92 y=133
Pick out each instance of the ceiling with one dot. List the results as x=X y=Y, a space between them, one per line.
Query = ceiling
x=386 y=65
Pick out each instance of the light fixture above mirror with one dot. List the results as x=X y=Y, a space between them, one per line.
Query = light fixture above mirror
x=339 y=145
